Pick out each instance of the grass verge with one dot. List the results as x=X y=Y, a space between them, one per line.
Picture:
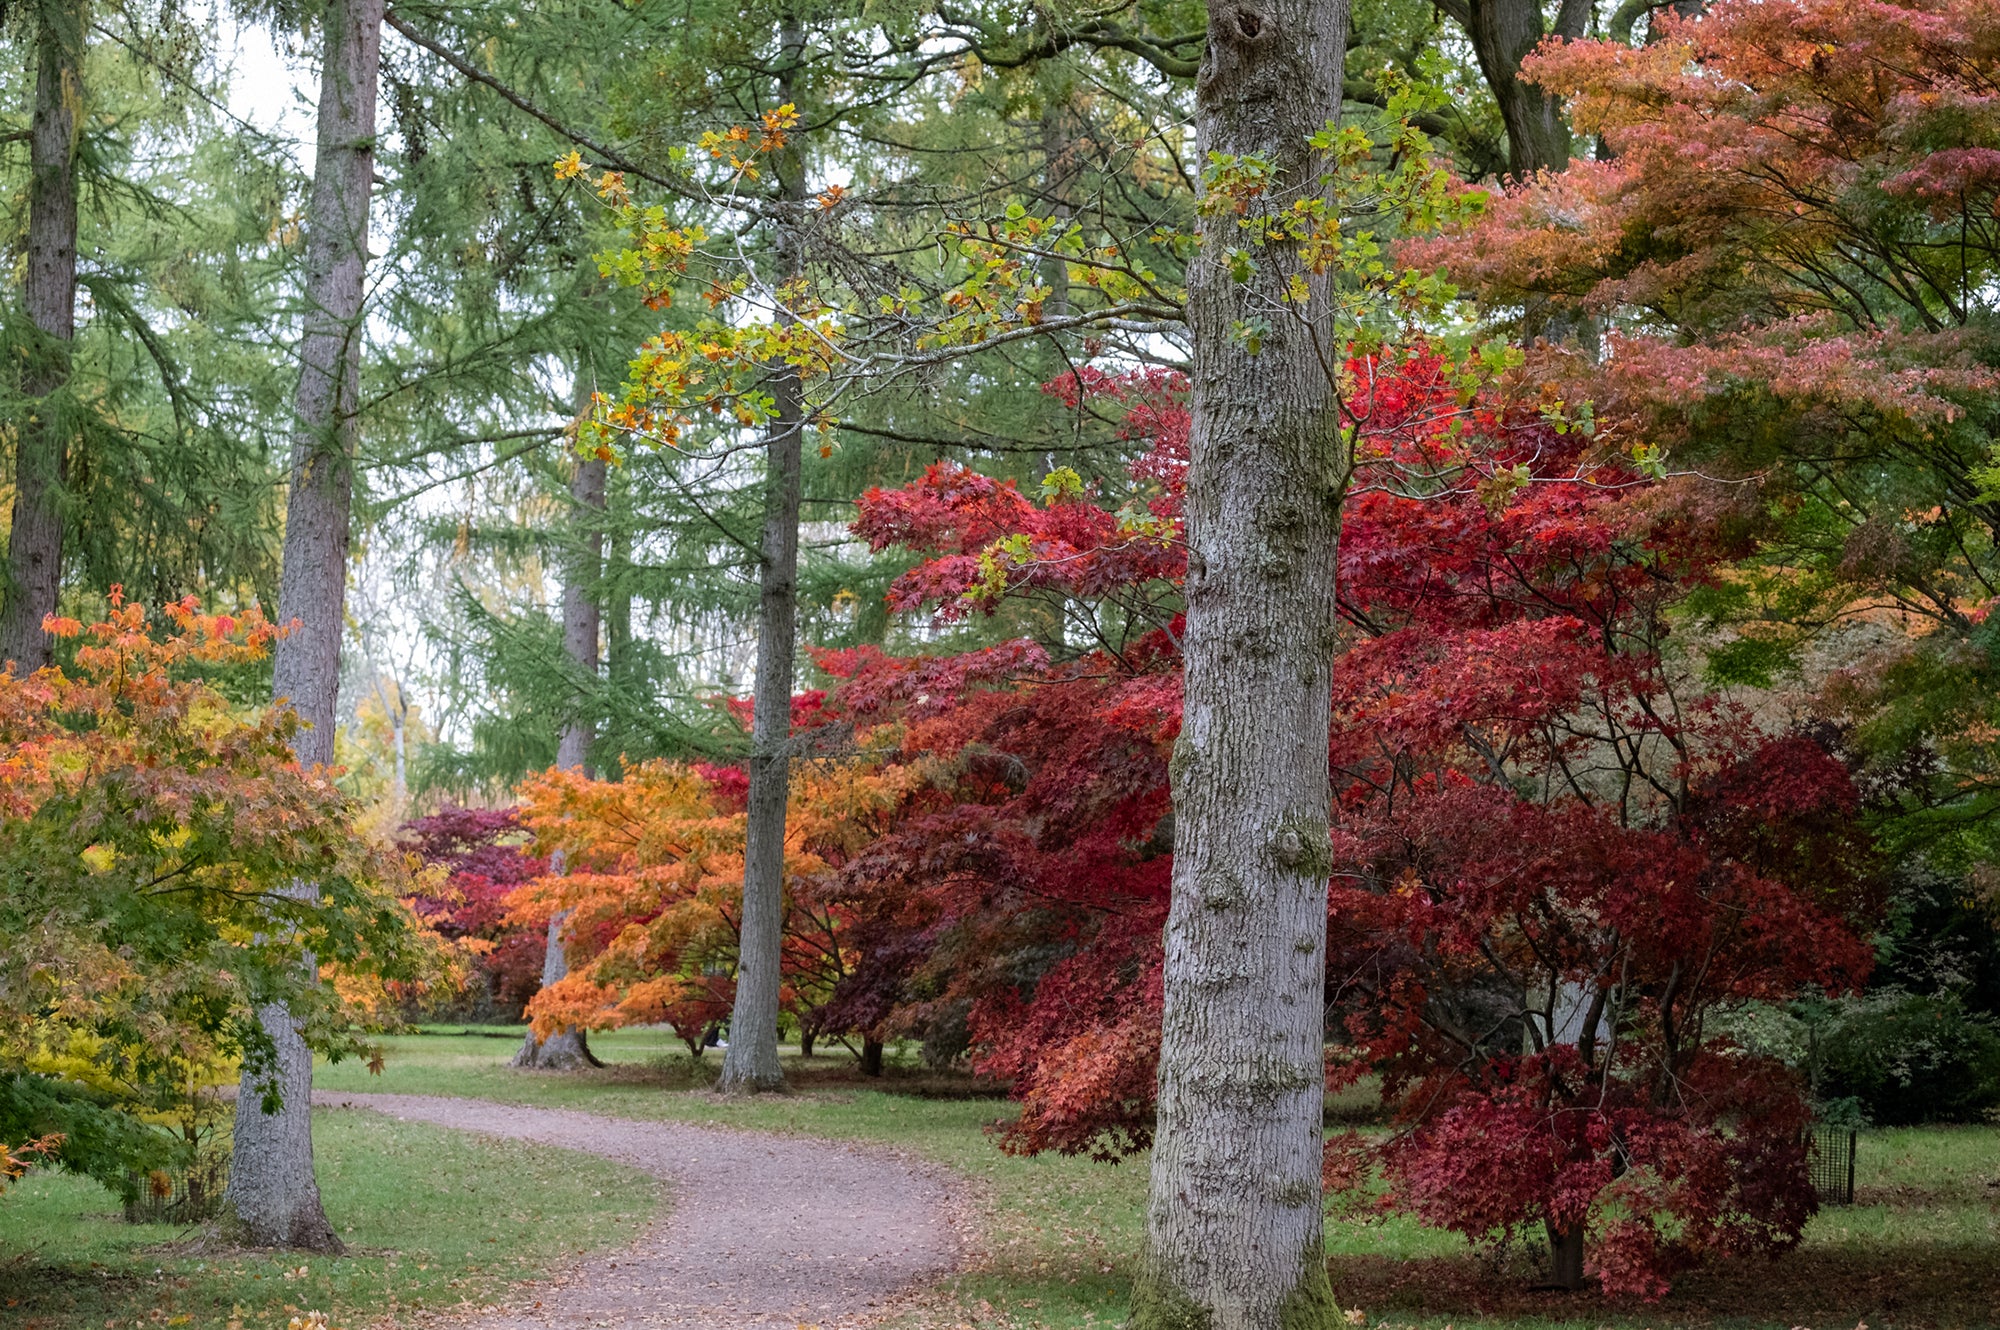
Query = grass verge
x=432 y=1218
x=1062 y=1234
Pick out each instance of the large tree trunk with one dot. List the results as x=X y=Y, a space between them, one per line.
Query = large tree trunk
x=41 y=453
x=272 y=1197
x=569 y=1047
x=752 y=1060
x=1504 y=33
x=1233 y=1223
x=566 y=1049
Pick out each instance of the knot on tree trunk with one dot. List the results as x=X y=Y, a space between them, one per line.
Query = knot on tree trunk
x=1246 y=25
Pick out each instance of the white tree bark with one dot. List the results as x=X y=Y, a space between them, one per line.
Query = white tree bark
x=272 y=1198
x=1233 y=1226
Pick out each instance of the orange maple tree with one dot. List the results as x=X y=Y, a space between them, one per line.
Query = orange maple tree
x=151 y=836
x=653 y=882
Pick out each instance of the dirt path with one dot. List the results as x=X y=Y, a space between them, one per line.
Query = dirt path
x=764 y=1232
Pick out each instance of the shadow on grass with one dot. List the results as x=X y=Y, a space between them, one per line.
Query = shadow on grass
x=1914 y=1286
x=40 y=1294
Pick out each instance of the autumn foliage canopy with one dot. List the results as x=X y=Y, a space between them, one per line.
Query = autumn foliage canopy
x=151 y=841
x=1556 y=854
x=1567 y=842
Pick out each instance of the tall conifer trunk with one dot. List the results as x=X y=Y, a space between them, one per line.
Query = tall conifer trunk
x=273 y=1199
x=582 y=619
x=41 y=454
x=1233 y=1224
x=752 y=1060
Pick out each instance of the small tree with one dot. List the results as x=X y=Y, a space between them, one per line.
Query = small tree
x=653 y=888
x=485 y=855
x=150 y=836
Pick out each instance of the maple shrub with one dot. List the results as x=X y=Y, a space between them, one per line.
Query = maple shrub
x=483 y=854
x=1792 y=244
x=151 y=841
x=652 y=888
x=1555 y=856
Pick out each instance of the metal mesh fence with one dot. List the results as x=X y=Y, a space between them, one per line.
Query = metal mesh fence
x=1832 y=1151
x=184 y=1194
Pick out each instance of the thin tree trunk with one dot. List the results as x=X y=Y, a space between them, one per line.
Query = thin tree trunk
x=569 y=1047
x=1566 y=1256
x=401 y=716
x=751 y=1064
x=871 y=1056
x=41 y=453
x=618 y=663
x=1233 y=1224
x=1060 y=169
x=582 y=619
x=272 y=1196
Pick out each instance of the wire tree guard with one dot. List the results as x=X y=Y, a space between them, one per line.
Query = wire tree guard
x=1832 y=1151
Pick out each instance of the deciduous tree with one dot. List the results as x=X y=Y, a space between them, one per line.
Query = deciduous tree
x=153 y=837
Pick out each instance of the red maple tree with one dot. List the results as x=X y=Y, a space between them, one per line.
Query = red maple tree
x=485 y=854
x=1556 y=854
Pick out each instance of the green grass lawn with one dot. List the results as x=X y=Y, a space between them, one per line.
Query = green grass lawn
x=431 y=1218
x=1921 y=1251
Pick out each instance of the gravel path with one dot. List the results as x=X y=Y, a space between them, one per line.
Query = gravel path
x=764 y=1232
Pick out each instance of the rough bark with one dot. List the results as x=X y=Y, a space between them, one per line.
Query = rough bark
x=1233 y=1224
x=272 y=1199
x=48 y=291
x=569 y=1047
x=751 y=1064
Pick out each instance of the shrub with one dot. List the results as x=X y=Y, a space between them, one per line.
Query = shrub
x=1912 y=1058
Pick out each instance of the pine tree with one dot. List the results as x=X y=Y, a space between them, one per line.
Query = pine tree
x=41 y=452
x=273 y=1197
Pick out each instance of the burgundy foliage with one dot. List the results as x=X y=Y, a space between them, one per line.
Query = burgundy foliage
x=486 y=856
x=1555 y=854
